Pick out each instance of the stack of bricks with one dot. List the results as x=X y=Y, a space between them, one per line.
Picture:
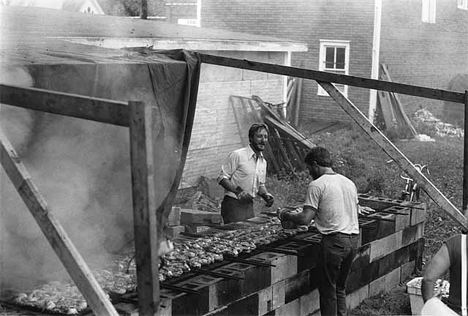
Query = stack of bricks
x=389 y=252
x=173 y=227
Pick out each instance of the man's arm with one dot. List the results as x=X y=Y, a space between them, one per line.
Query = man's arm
x=238 y=191
x=301 y=218
x=437 y=267
x=268 y=197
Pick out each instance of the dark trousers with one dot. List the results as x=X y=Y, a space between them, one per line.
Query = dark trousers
x=336 y=255
x=232 y=210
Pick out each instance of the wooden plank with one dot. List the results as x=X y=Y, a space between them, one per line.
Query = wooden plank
x=418 y=91
x=84 y=107
x=465 y=158
x=298 y=102
x=144 y=206
x=53 y=231
x=387 y=109
x=282 y=150
x=284 y=126
x=403 y=162
x=303 y=140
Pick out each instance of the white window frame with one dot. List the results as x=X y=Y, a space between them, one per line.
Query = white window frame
x=462 y=4
x=336 y=44
x=428 y=14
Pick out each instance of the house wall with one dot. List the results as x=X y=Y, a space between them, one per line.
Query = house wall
x=306 y=21
x=215 y=132
x=424 y=54
x=416 y=53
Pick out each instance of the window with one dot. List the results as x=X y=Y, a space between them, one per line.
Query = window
x=334 y=57
x=462 y=4
x=429 y=11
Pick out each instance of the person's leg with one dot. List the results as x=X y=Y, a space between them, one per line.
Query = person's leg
x=328 y=268
x=351 y=247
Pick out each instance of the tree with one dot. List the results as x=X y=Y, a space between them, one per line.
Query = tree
x=133 y=7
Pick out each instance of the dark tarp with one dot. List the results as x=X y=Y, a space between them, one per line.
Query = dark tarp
x=83 y=167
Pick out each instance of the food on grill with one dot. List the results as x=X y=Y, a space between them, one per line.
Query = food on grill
x=177 y=257
x=54 y=297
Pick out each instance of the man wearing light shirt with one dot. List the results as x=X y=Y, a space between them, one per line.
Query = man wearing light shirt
x=243 y=177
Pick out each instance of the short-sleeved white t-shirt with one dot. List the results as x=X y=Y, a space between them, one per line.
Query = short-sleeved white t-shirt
x=336 y=200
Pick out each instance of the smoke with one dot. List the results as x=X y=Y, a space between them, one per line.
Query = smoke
x=81 y=168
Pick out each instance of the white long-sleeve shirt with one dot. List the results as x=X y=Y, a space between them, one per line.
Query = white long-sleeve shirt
x=243 y=169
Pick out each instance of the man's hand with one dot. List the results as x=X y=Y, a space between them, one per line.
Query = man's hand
x=279 y=213
x=269 y=199
x=244 y=197
x=365 y=210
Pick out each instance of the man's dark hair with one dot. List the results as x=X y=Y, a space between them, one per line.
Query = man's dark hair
x=320 y=155
x=255 y=127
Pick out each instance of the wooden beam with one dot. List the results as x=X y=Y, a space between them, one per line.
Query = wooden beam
x=144 y=206
x=418 y=91
x=465 y=158
x=84 y=107
x=394 y=153
x=53 y=231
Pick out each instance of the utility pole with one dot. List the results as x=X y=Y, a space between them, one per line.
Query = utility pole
x=144 y=10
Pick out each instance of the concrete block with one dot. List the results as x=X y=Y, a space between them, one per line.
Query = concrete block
x=412 y=233
x=227 y=290
x=389 y=244
x=368 y=230
x=363 y=276
x=279 y=294
x=196 y=229
x=386 y=264
x=309 y=303
x=291 y=308
x=355 y=298
x=377 y=286
x=386 y=226
x=190 y=217
x=197 y=304
x=418 y=215
x=174 y=217
x=173 y=231
x=245 y=306
x=401 y=221
x=407 y=270
x=265 y=301
x=255 y=277
x=392 y=279
x=296 y=286
x=165 y=307
x=285 y=265
x=362 y=257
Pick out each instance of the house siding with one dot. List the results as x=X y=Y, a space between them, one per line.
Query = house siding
x=424 y=54
x=306 y=21
x=215 y=131
x=415 y=53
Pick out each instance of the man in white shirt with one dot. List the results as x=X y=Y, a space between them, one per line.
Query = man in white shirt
x=332 y=201
x=243 y=177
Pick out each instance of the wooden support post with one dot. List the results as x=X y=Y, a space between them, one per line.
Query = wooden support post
x=465 y=158
x=84 y=107
x=144 y=208
x=53 y=231
x=394 y=153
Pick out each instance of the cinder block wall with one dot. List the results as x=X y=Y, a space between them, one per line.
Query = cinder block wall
x=215 y=132
x=390 y=249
